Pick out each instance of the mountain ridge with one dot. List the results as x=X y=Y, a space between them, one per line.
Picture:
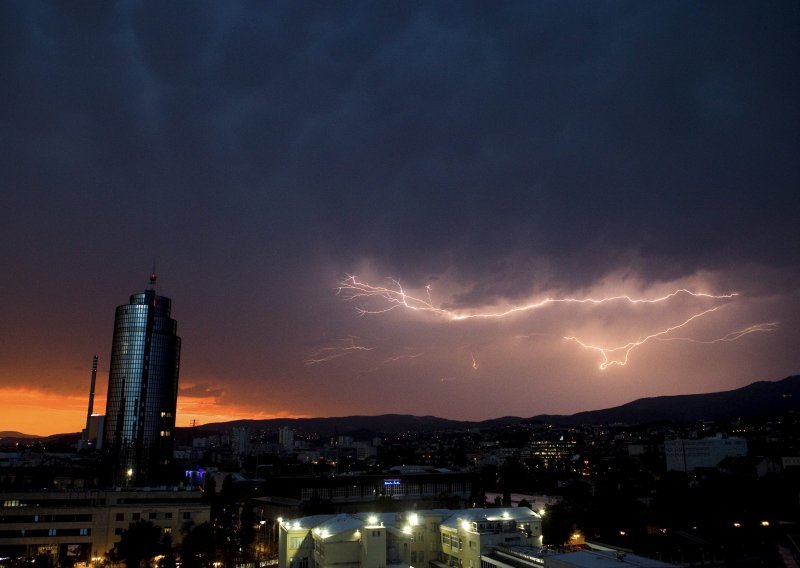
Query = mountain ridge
x=755 y=399
x=15 y=434
x=760 y=398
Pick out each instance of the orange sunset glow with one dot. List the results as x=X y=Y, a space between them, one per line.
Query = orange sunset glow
x=40 y=412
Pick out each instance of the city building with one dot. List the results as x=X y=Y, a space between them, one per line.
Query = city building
x=593 y=556
x=81 y=526
x=688 y=455
x=602 y=559
x=286 y=495
x=142 y=391
x=240 y=441
x=553 y=452
x=286 y=439
x=440 y=538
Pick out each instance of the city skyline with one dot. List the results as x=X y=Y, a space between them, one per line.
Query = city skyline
x=457 y=209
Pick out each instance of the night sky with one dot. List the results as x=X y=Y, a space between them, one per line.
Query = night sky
x=480 y=157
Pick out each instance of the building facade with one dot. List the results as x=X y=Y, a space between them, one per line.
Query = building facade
x=286 y=496
x=82 y=526
x=688 y=455
x=440 y=538
x=142 y=391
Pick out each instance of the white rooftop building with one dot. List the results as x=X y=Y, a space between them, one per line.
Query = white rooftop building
x=438 y=537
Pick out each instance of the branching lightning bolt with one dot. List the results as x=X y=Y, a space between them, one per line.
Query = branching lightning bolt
x=608 y=353
x=396 y=297
x=625 y=350
x=347 y=346
x=474 y=362
x=399 y=357
x=732 y=336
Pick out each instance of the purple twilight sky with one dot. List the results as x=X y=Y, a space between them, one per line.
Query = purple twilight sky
x=485 y=159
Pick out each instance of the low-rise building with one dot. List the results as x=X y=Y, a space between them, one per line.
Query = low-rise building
x=442 y=538
x=688 y=455
x=287 y=495
x=82 y=525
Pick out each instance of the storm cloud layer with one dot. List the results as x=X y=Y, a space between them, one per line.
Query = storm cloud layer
x=486 y=154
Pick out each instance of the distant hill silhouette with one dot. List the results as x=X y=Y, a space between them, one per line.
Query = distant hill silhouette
x=360 y=426
x=758 y=399
x=13 y=434
x=764 y=398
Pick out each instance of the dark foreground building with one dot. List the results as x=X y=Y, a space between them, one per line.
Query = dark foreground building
x=81 y=526
x=142 y=391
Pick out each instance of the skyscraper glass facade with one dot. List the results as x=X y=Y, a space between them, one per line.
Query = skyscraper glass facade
x=142 y=391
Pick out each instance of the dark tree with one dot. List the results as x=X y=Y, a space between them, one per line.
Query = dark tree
x=227 y=493
x=198 y=546
x=139 y=543
x=209 y=489
x=558 y=524
x=247 y=523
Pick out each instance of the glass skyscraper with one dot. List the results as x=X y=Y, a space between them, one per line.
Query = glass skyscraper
x=142 y=391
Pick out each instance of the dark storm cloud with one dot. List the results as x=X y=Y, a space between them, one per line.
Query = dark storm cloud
x=202 y=391
x=472 y=137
